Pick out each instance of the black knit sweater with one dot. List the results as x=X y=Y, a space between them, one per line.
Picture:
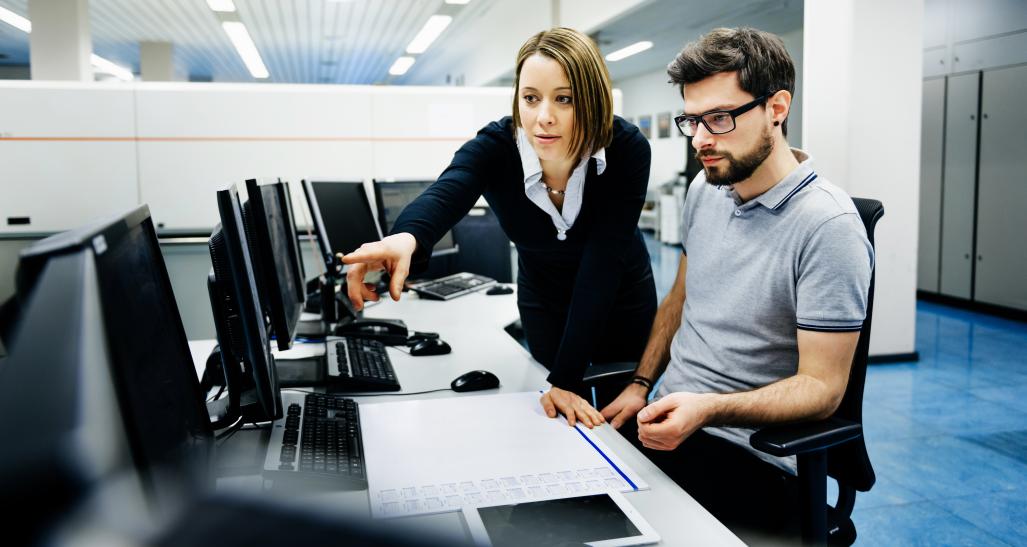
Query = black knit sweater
x=604 y=253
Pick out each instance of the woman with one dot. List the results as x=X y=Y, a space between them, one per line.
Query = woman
x=567 y=180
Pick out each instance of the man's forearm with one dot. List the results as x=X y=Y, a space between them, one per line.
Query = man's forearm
x=657 y=351
x=800 y=397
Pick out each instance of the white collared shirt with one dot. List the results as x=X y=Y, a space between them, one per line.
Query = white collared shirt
x=537 y=193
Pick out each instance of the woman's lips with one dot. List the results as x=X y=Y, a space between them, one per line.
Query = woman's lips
x=546 y=139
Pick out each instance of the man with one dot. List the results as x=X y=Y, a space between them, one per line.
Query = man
x=762 y=321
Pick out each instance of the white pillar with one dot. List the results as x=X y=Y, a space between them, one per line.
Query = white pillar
x=156 y=61
x=60 y=45
x=862 y=72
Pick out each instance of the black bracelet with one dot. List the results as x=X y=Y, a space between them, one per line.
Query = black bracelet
x=643 y=381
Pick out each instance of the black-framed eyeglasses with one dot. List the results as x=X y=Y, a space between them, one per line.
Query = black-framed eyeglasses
x=717 y=122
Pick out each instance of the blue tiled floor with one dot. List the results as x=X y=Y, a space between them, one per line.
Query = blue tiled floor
x=947 y=435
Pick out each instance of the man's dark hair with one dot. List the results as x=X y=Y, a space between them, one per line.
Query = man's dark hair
x=760 y=58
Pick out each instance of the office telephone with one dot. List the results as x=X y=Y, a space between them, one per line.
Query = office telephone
x=391 y=332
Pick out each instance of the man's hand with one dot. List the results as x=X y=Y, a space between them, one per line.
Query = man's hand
x=626 y=405
x=570 y=405
x=666 y=423
x=391 y=254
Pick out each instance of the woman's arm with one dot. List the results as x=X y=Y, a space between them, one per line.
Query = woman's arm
x=423 y=222
x=448 y=200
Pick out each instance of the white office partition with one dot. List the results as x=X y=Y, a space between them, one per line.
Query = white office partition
x=417 y=129
x=67 y=154
x=76 y=151
x=194 y=139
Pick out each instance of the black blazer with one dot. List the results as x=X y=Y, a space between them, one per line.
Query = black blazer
x=581 y=277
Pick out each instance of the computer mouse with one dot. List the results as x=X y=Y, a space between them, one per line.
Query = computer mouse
x=475 y=380
x=430 y=346
x=499 y=289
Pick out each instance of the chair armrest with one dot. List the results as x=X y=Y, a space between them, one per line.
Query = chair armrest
x=609 y=372
x=797 y=438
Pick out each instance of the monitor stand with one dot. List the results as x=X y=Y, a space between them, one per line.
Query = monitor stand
x=315 y=328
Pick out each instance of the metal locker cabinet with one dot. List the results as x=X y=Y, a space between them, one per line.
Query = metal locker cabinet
x=1001 y=276
x=957 y=214
x=931 y=148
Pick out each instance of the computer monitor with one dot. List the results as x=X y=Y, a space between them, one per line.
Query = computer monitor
x=100 y=374
x=285 y=196
x=273 y=256
x=246 y=359
x=346 y=214
x=393 y=196
x=324 y=246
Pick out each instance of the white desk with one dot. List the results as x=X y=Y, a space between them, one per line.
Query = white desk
x=473 y=326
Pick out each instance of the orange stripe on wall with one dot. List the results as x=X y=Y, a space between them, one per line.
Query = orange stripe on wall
x=235 y=139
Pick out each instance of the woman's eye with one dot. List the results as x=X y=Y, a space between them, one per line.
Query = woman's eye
x=563 y=99
x=530 y=99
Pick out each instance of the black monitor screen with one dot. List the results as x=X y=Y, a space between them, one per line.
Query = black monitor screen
x=238 y=319
x=346 y=213
x=285 y=197
x=274 y=257
x=323 y=245
x=157 y=384
x=394 y=196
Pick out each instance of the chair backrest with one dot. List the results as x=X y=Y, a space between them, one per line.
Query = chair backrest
x=849 y=462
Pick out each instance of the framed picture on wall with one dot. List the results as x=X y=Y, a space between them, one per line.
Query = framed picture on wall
x=663 y=125
x=645 y=124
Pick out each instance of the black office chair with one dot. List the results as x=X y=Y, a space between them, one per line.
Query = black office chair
x=833 y=447
x=603 y=382
x=484 y=247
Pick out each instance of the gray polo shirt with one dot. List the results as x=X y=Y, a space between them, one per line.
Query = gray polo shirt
x=795 y=257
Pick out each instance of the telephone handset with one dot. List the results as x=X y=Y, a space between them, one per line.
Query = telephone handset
x=391 y=332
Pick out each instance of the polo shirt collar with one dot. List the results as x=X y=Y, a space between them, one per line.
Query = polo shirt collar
x=532 y=167
x=791 y=184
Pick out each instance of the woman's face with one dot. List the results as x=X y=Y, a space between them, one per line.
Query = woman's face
x=546 y=107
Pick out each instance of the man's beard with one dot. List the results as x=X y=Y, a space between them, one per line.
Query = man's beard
x=738 y=169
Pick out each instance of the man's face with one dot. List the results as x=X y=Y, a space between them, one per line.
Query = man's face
x=733 y=157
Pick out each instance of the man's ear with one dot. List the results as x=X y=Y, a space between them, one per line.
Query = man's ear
x=780 y=104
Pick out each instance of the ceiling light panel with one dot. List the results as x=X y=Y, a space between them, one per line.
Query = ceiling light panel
x=15 y=20
x=623 y=53
x=431 y=30
x=108 y=67
x=401 y=66
x=243 y=43
x=222 y=6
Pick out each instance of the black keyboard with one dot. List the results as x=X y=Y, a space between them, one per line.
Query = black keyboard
x=317 y=440
x=360 y=364
x=452 y=286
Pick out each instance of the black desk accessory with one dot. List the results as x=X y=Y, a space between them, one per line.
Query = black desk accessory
x=475 y=380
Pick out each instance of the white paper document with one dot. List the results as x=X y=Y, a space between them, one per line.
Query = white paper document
x=438 y=455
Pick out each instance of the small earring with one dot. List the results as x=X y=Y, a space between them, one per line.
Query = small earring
x=777 y=124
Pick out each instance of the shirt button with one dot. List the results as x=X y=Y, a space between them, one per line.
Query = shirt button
x=738 y=212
